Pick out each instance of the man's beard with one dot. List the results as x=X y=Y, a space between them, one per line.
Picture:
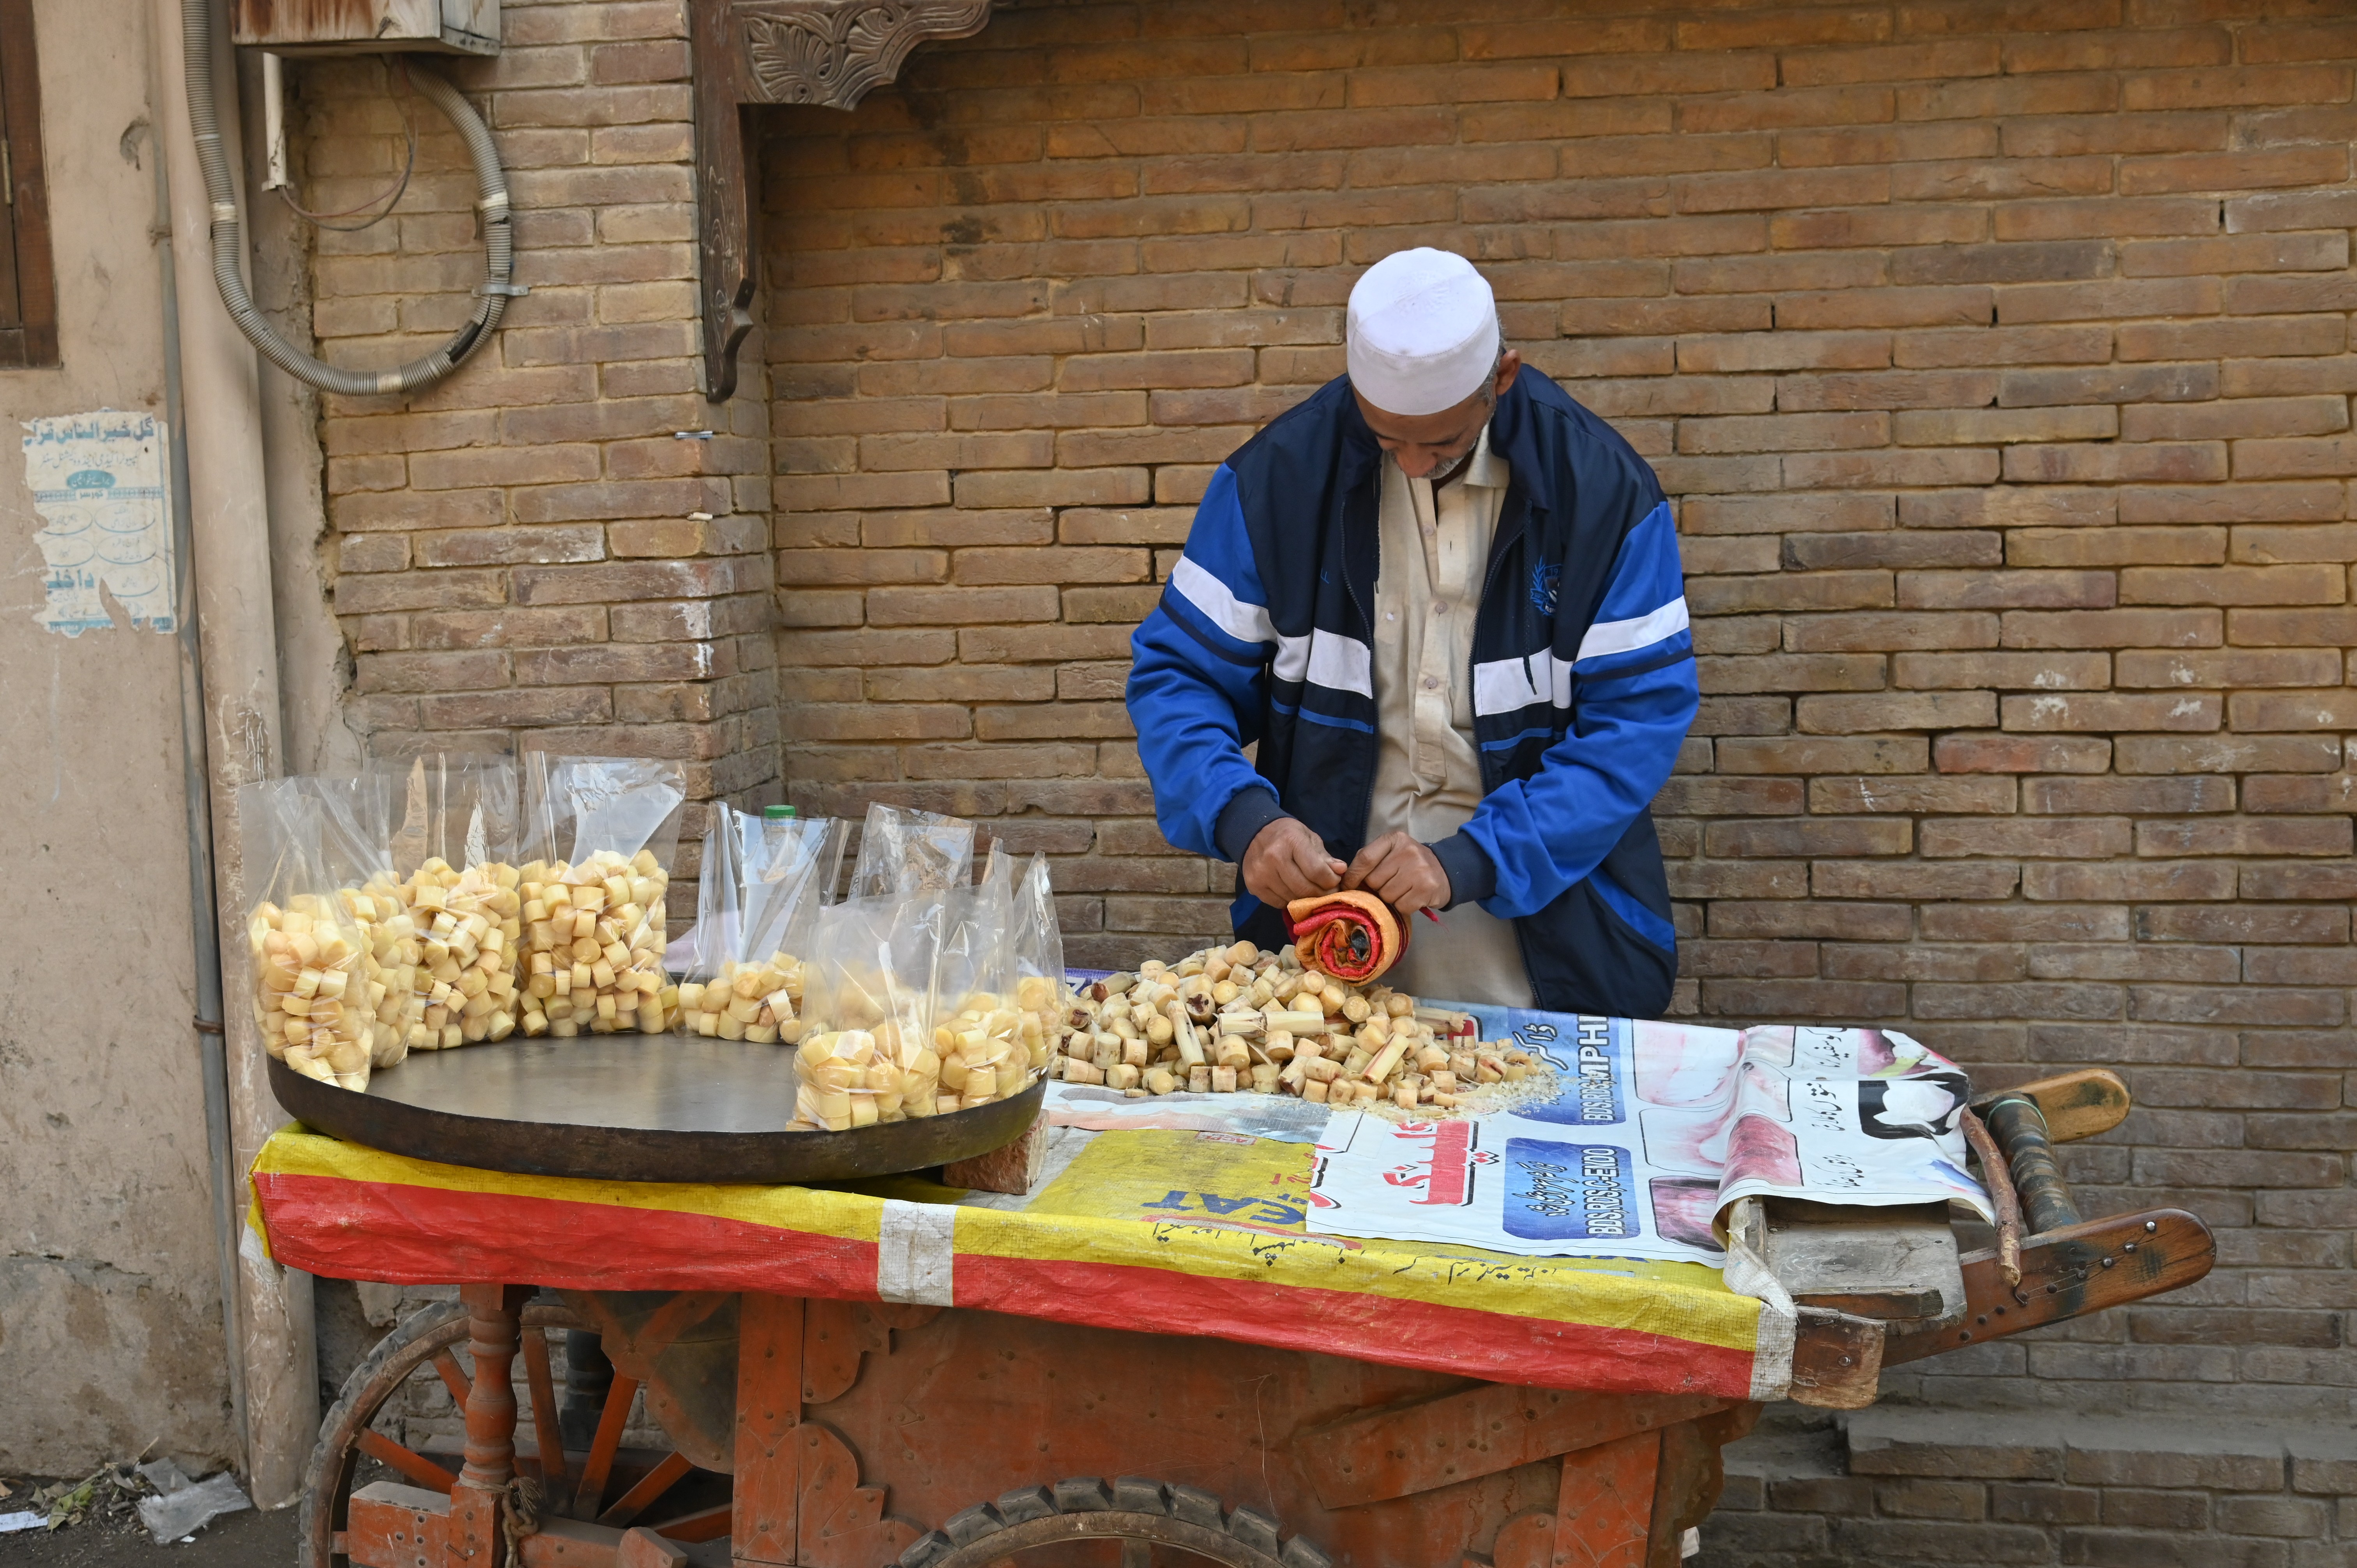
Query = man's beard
x=1446 y=471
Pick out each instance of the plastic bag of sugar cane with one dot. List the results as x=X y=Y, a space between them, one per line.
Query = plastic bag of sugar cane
x=356 y=857
x=308 y=986
x=601 y=832
x=865 y=1053
x=454 y=821
x=978 y=1031
x=757 y=898
x=904 y=851
x=1043 y=994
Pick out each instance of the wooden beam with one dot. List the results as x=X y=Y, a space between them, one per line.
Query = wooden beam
x=1479 y=1432
x=2069 y=1274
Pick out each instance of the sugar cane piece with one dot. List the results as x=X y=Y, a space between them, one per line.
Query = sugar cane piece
x=1159 y=1081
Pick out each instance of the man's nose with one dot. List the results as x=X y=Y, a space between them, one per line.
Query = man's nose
x=1416 y=464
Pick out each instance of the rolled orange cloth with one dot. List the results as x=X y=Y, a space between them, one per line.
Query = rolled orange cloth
x=1350 y=936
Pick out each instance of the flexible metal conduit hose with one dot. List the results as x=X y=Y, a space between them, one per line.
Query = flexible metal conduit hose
x=229 y=245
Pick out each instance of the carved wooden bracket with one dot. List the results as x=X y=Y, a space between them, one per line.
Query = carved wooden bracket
x=826 y=52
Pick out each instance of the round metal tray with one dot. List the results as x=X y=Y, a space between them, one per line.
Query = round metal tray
x=629 y=1108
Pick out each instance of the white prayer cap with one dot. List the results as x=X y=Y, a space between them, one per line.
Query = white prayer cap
x=1423 y=334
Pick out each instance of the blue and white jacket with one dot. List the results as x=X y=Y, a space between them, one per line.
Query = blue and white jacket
x=1583 y=682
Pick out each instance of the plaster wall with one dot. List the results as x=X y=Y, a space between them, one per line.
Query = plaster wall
x=110 y=1309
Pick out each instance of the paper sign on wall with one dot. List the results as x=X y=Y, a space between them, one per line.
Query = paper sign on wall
x=106 y=527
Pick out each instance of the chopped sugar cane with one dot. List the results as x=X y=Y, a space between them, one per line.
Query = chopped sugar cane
x=594 y=944
x=1236 y=1019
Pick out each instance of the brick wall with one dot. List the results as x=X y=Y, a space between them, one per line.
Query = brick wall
x=533 y=553
x=1896 y=1487
x=1996 y=354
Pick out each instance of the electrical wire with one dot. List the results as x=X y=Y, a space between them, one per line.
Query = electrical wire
x=392 y=195
x=200 y=34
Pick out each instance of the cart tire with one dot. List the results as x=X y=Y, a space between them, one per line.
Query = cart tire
x=413 y=1342
x=1130 y=1509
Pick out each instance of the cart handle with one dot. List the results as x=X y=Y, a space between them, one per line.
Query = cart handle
x=2019 y=1128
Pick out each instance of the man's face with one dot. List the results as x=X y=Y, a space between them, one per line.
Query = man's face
x=1425 y=443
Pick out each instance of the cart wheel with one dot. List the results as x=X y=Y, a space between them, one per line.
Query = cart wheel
x=1151 y=1520
x=362 y=1438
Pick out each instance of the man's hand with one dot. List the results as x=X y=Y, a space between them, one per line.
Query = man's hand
x=1401 y=872
x=1286 y=861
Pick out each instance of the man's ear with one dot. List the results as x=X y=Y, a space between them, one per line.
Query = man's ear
x=1510 y=365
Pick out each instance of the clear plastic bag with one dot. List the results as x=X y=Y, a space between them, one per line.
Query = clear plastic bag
x=356 y=859
x=757 y=913
x=865 y=1056
x=453 y=824
x=462 y=808
x=1042 y=995
x=309 y=988
x=904 y=851
x=977 y=1030
x=602 y=832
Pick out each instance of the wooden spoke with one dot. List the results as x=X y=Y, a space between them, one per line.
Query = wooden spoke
x=600 y=1462
x=544 y=1412
x=703 y=1524
x=1137 y=1553
x=454 y=1376
x=415 y=1465
x=655 y=1483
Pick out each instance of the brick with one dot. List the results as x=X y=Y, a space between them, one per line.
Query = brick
x=1835 y=634
x=2227 y=753
x=2115 y=546
x=1927 y=710
x=1752 y=999
x=2290 y=710
x=2065 y=797
x=2295 y=880
x=2308 y=501
x=2128 y=961
x=2081 y=837
x=2300 y=584
x=2189 y=627
x=2186 y=881
x=2242 y=923
x=2058 y=671
x=1837 y=552
x=2045 y=712
x=1781 y=754
x=1999 y=426
x=1808 y=836
x=2038 y=465
x=1805 y=919
x=2278 y=628
x=1998 y=753
x=2331 y=792
x=1963 y=922
x=2264 y=545
x=1911 y=880
x=2170 y=1004
x=1872 y=794
x=2110 y=383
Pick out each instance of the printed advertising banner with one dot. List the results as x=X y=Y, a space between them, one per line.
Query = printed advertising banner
x=1655 y=1129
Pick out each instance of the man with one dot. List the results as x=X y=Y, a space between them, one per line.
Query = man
x=1443 y=601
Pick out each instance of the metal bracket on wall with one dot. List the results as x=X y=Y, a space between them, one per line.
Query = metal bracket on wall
x=823 y=52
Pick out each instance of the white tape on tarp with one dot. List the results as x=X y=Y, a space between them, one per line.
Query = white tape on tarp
x=916 y=1253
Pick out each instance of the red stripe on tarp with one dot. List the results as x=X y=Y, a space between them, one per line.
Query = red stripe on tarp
x=424 y=1235
x=1462 y=1341
x=419 y=1235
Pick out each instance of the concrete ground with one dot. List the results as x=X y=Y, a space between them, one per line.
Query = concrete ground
x=244 y=1540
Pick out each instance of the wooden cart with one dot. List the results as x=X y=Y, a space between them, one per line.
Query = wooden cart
x=812 y=1429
